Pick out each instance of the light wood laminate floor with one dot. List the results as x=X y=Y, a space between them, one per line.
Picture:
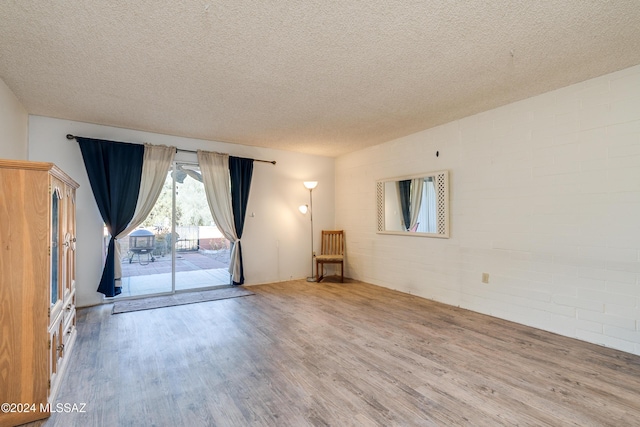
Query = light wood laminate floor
x=352 y=354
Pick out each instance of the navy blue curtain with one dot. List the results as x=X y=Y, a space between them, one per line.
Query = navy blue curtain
x=114 y=170
x=240 y=171
x=404 y=187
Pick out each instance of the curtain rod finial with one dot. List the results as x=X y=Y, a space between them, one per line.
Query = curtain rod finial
x=69 y=136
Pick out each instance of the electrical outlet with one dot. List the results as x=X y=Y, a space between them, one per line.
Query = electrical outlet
x=485 y=277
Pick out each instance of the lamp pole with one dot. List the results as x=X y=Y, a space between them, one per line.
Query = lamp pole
x=311 y=278
x=311 y=185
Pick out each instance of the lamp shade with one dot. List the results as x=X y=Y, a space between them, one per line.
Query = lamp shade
x=303 y=208
x=310 y=185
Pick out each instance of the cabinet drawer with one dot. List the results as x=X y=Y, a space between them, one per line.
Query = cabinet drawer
x=69 y=330
x=69 y=307
x=56 y=351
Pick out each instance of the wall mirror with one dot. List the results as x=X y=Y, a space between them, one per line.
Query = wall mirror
x=416 y=205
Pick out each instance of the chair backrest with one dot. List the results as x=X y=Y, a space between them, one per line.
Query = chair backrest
x=332 y=242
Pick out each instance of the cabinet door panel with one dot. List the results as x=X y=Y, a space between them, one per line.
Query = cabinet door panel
x=69 y=241
x=57 y=241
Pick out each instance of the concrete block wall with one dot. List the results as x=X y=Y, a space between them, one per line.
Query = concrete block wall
x=545 y=198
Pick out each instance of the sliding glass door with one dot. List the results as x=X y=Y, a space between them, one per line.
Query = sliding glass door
x=202 y=253
x=146 y=253
x=178 y=247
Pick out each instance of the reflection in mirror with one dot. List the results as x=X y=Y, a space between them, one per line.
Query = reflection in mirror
x=415 y=205
x=410 y=205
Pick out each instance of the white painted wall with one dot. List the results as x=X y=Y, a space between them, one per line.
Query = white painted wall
x=276 y=241
x=14 y=126
x=545 y=197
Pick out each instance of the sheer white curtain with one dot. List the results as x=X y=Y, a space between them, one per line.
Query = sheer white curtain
x=217 y=187
x=427 y=215
x=155 y=165
x=416 y=201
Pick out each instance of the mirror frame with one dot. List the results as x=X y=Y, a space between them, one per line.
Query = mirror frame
x=442 y=208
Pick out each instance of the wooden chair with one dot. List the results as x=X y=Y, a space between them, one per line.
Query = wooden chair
x=332 y=252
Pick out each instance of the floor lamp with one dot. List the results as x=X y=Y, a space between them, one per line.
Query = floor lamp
x=310 y=185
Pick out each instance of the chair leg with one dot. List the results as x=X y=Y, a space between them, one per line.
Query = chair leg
x=342 y=272
x=318 y=277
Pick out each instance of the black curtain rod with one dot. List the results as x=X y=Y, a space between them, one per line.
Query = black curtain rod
x=273 y=162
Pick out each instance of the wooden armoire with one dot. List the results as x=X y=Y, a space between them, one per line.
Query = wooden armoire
x=37 y=286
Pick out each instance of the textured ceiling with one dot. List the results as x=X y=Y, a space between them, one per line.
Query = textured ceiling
x=317 y=76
